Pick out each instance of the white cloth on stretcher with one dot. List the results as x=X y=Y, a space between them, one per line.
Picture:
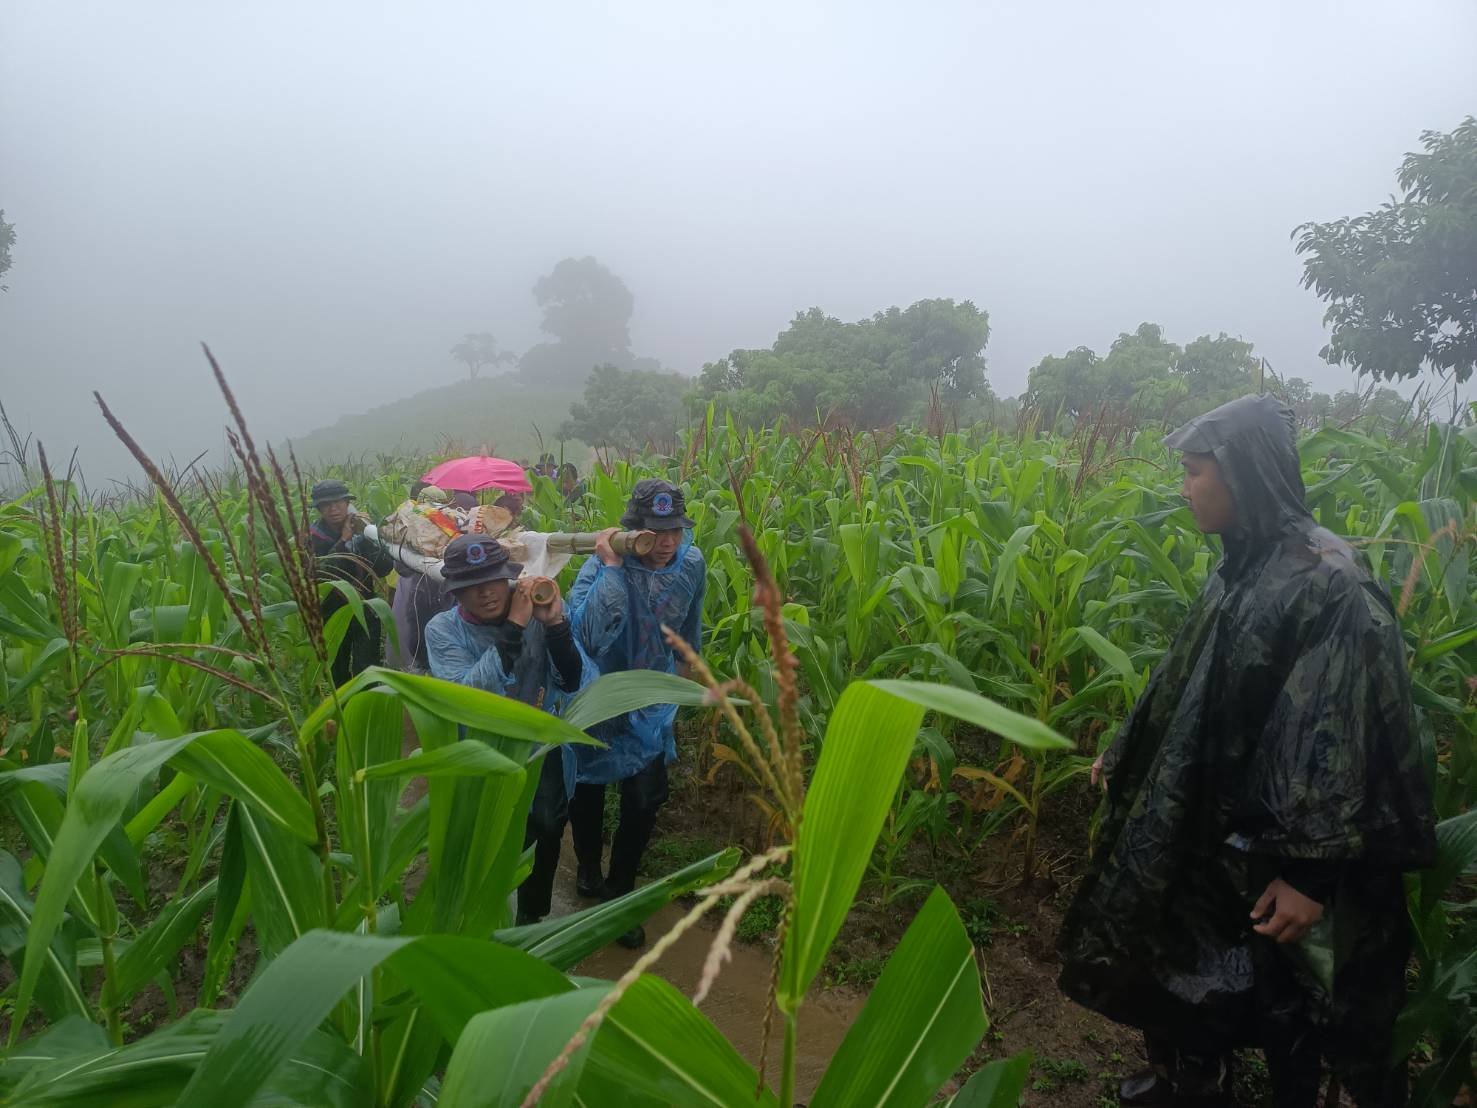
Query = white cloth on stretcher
x=537 y=561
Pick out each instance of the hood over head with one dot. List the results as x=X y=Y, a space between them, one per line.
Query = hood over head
x=1254 y=442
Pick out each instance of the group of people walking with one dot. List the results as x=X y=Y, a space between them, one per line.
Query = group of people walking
x=489 y=627
x=1261 y=803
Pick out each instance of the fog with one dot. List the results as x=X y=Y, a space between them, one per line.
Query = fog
x=331 y=194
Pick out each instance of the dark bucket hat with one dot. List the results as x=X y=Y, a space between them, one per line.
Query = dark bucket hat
x=475 y=559
x=656 y=505
x=326 y=492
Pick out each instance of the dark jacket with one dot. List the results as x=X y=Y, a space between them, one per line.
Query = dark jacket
x=1275 y=738
x=360 y=561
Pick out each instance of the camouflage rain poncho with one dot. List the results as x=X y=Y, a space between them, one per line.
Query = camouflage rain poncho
x=1275 y=739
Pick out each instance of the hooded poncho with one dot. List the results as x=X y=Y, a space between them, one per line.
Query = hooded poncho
x=618 y=613
x=1275 y=738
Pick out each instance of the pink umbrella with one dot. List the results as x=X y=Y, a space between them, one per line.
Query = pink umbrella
x=475 y=474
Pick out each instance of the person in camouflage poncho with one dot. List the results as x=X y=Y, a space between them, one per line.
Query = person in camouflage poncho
x=1263 y=798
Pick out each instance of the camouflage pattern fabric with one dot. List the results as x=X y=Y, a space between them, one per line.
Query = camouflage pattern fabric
x=1275 y=734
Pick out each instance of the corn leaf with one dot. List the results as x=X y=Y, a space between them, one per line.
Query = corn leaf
x=502 y=1054
x=868 y=741
x=997 y=1085
x=923 y=1018
x=656 y=1044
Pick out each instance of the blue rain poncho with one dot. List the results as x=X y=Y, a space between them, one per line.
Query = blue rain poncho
x=468 y=653
x=618 y=613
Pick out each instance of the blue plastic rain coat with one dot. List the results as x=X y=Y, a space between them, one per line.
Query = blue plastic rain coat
x=618 y=613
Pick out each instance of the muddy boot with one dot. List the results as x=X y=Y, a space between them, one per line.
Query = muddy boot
x=526 y=918
x=589 y=884
x=633 y=939
x=1147 y=1087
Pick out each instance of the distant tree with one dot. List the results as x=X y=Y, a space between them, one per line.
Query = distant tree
x=7 y=240
x=1401 y=282
x=629 y=409
x=1143 y=373
x=587 y=309
x=868 y=374
x=1065 y=385
x=478 y=350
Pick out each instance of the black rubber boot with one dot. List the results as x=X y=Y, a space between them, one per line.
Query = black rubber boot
x=1147 y=1087
x=633 y=939
x=589 y=884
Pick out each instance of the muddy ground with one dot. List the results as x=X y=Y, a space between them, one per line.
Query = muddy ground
x=1079 y=1056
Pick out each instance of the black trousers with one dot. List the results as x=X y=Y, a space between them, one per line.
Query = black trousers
x=545 y=833
x=359 y=649
x=642 y=796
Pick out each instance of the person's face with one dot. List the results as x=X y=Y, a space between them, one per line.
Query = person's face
x=665 y=549
x=512 y=501
x=334 y=512
x=487 y=601
x=1210 y=498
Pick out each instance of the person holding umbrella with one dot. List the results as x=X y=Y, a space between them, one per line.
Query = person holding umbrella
x=478 y=472
x=343 y=552
x=618 y=606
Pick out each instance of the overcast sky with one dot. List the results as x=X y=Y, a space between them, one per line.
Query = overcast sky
x=332 y=193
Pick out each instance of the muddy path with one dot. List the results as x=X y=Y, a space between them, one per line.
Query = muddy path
x=737 y=1000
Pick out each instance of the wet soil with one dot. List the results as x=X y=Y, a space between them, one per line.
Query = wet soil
x=1079 y=1056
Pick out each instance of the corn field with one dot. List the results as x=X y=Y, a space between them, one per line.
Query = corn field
x=182 y=787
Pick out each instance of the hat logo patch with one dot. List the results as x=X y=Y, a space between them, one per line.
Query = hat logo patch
x=476 y=554
x=661 y=504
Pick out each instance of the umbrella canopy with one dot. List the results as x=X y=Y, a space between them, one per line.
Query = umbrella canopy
x=475 y=474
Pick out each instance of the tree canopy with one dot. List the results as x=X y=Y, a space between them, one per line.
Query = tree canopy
x=628 y=409
x=1144 y=372
x=587 y=309
x=1401 y=282
x=478 y=350
x=869 y=373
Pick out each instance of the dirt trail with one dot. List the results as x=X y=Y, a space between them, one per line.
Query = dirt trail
x=736 y=1002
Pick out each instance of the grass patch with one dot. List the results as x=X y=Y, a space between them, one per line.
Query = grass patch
x=669 y=853
x=861 y=972
x=984 y=919
x=1051 y=1072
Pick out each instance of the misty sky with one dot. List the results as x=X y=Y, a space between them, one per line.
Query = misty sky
x=332 y=193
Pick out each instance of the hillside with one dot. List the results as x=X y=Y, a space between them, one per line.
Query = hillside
x=499 y=413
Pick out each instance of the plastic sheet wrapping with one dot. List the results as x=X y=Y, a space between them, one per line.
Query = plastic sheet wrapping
x=528 y=547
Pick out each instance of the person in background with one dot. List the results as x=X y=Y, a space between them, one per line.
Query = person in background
x=1263 y=798
x=496 y=638
x=513 y=501
x=345 y=553
x=618 y=606
x=547 y=467
x=418 y=598
x=570 y=485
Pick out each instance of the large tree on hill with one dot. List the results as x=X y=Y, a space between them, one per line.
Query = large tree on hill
x=478 y=350
x=1401 y=282
x=587 y=309
x=867 y=374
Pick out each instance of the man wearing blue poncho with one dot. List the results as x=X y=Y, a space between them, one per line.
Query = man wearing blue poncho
x=618 y=606
x=496 y=638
